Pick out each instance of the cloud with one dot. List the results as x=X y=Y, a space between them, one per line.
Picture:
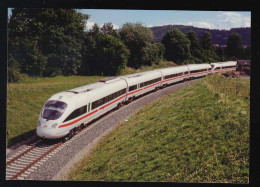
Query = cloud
x=202 y=24
x=114 y=26
x=233 y=19
x=89 y=25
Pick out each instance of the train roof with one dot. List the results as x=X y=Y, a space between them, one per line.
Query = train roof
x=184 y=67
x=220 y=64
x=132 y=78
x=198 y=66
x=87 y=90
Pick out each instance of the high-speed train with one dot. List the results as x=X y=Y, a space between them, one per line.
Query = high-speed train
x=66 y=112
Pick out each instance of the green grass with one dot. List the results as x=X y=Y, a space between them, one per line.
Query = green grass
x=192 y=135
x=25 y=100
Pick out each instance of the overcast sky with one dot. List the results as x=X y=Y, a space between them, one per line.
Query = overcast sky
x=149 y=18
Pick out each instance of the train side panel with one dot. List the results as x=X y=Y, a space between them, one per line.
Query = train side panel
x=174 y=74
x=199 y=70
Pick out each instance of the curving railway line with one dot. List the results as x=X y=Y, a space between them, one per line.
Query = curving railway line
x=22 y=164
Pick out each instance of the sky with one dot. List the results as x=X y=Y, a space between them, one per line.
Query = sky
x=149 y=18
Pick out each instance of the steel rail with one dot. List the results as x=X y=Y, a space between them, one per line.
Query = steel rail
x=36 y=160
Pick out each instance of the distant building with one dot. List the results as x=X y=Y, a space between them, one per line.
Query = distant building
x=243 y=66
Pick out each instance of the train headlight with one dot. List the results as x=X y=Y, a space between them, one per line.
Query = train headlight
x=54 y=125
x=39 y=123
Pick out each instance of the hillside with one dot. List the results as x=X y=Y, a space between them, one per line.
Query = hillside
x=218 y=36
x=197 y=134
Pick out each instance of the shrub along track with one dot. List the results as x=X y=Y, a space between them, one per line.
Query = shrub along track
x=58 y=157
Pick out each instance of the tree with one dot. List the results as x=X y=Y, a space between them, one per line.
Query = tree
x=234 y=46
x=220 y=54
x=206 y=41
x=107 y=28
x=160 y=51
x=46 y=41
x=104 y=54
x=151 y=54
x=137 y=38
x=195 y=47
x=177 y=46
x=248 y=53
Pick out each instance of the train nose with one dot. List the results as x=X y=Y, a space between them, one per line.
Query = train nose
x=46 y=133
x=50 y=133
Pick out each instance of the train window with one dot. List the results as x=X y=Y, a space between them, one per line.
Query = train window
x=131 y=88
x=76 y=113
x=55 y=104
x=107 y=98
x=94 y=105
x=50 y=114
x=104 y=100
x=172 y=75
x=196 y=71
x=150 y=82
x=230 y=66
x=82 y=110
x=53 y=109
x=110 y=97
x=114 y=96
x=73 y=115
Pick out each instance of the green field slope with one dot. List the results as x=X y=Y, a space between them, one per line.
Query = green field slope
x=26 y=99
x=197 y=134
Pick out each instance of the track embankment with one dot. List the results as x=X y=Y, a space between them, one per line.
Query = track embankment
x=57 y=165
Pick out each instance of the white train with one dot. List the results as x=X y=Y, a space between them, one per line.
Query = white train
x=66 y=112
x=223 y=66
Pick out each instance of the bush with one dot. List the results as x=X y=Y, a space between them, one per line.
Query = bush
x=13 y=72
x=14 y=75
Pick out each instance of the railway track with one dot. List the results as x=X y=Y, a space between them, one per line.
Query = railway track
x=21 y=164
x=33 y=155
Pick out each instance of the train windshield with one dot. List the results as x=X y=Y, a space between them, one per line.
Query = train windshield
x=53 y=109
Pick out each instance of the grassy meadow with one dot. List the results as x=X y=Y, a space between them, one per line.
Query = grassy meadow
x=197 y=134
x=26 y=99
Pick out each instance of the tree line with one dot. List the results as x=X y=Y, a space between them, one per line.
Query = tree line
x=48 y=42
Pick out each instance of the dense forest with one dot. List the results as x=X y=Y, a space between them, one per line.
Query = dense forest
x=218 y=36
x=47 y=42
